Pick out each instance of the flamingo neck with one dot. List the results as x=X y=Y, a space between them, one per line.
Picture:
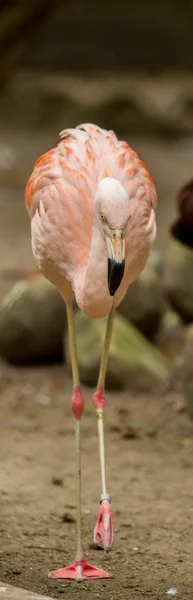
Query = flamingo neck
x=92 y=287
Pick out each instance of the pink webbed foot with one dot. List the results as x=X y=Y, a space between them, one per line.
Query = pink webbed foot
x=104 y=526
x=79 y=570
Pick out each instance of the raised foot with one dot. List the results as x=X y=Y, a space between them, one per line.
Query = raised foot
x=79 y=570
x=103 y=531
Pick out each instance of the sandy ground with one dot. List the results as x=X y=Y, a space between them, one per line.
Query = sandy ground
x=149 y=478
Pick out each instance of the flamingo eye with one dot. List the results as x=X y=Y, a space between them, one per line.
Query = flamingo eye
x=102 y=216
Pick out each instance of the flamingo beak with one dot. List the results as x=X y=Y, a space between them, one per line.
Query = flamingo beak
x=116 y=260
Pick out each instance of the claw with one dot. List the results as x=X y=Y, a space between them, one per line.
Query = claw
x=104 y=526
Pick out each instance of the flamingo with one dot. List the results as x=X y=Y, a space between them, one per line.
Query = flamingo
x=92 y=206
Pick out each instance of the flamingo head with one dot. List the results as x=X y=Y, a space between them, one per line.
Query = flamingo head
x=112 y=210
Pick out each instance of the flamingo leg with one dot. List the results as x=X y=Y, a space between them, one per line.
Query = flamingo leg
x=104 y=527
x=79 y=569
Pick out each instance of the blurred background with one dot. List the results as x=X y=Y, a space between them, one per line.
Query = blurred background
x=125 y=65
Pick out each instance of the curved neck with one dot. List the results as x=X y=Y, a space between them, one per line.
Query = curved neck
x=98 y=251
x=92 y=286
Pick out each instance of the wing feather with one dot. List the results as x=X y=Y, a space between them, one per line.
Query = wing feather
x=60 y=192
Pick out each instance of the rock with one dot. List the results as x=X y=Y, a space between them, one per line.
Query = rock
x=10 y=592
x=171 y=335
x=67 y=518
x=155 y=261
x=143 y=304
x=133 y=362
x=32 y=322
x=187 y=371
x=177 y=278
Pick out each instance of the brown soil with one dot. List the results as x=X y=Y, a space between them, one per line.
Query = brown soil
x=149 y=478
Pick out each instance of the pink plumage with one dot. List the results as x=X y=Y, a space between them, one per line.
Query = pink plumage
x=92 y=206
x=60 y=198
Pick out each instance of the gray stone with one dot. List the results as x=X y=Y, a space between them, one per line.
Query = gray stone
x=32 y=322
x=178 y=279
x=133 y=361
x=155 y=261
x=171 y=335
x=10 y=592
x=144 y=302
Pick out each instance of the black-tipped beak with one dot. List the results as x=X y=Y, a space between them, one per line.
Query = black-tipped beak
x=115 y=275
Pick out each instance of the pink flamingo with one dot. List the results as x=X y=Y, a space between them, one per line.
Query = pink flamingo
x=92 y=206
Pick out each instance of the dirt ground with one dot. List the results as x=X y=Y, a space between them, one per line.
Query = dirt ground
x=149 y=477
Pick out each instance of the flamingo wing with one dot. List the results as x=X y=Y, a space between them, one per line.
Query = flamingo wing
x=60 y=193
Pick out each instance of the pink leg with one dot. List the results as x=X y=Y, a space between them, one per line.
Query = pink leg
x=79 y=569
x=103 y=531
x=104 y=526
